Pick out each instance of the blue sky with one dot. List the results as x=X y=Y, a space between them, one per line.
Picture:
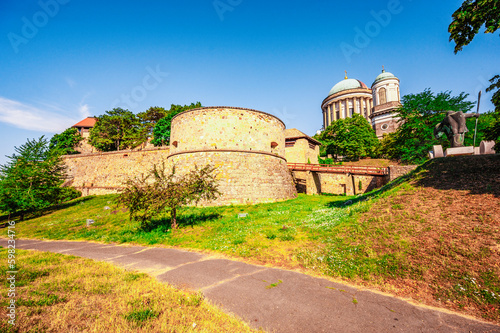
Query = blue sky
x=63 y=60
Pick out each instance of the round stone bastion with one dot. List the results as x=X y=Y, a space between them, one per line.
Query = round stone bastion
x=247 y=148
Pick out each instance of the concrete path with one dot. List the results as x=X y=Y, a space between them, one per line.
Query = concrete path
x=276 y=300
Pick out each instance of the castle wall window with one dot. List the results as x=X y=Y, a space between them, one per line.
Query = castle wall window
x=289 y=142
x=312 y=145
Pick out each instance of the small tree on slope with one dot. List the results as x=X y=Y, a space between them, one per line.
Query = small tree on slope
x=159 y=191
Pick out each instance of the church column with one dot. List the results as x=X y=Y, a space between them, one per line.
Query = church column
x=334 y=105
x=324 y=119
x=327 y=116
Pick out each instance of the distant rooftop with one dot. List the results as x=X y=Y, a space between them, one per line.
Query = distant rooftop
x=293 y=133
x=87 y=122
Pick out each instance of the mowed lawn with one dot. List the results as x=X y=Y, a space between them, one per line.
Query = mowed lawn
x=433 y=236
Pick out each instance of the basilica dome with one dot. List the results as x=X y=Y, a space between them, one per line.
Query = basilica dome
x=347 y=84
x=384 y=76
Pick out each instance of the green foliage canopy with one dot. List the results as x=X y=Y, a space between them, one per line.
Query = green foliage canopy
x=419 y=114
x=470 y=17
x=65 y=142
x=116 y=130
x=31 y=179
x=353 y=138
x=158 y=191
x=492 y=131
x=161 y=131
x=467 y=21
x=150 y=118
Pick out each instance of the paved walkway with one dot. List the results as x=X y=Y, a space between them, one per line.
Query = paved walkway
x=274 y=299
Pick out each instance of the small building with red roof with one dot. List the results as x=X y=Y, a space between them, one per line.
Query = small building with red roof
x=85 y=125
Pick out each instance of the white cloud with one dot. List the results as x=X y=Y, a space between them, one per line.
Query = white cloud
x=84 y=111
x=32 y=118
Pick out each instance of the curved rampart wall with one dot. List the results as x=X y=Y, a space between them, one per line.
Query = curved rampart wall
x=215 y=128
x=246 y=146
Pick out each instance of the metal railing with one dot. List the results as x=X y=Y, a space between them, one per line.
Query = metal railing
x=355 y=170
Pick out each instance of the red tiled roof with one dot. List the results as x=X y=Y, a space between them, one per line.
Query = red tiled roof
x=87 y=122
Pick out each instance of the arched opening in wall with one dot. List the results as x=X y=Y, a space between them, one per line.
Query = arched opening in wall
x=274 y=145
x=174 y=144
x=382 y=96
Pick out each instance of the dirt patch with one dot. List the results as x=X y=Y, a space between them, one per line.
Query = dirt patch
x=445 y=228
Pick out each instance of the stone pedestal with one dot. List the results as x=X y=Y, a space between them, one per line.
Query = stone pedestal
x=437 y=151
x=486 y=147
x=459 y=151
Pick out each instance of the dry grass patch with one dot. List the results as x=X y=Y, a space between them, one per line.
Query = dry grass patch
x=57 y=293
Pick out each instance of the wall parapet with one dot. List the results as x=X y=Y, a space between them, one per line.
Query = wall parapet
x=226 y=151
x=105 y=153
x=396 y=171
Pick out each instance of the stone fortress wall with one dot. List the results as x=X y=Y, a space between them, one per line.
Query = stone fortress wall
x=103 y=173
x=246 y=146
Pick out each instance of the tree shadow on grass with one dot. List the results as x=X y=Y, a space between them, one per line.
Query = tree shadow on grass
x=476 y=174
x=29 y=215
x=183 y=221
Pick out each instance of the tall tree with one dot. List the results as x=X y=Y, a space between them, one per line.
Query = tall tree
x=66 y=142
x=31 y=179
x=467 y=21
x=352 y=138
x=161 y=131
x=117 y=129
x=419 y=114
x=150 y=117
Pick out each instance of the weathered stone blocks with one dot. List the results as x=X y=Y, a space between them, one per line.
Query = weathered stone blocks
x=246 y=146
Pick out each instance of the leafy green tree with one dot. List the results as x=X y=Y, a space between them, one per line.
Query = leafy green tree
x=492 y=132
x=467 y=21
x=159 y=191
x=483 y=123
x=419 y=114
x=116 y=130
x=161 y=131
x=66 y=142
x=387 y=148
x=150 y=118
x=32 y=178
x=470 y=17
x=352 y=138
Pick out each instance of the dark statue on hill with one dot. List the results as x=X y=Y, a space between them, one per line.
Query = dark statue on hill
x=454 y=127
